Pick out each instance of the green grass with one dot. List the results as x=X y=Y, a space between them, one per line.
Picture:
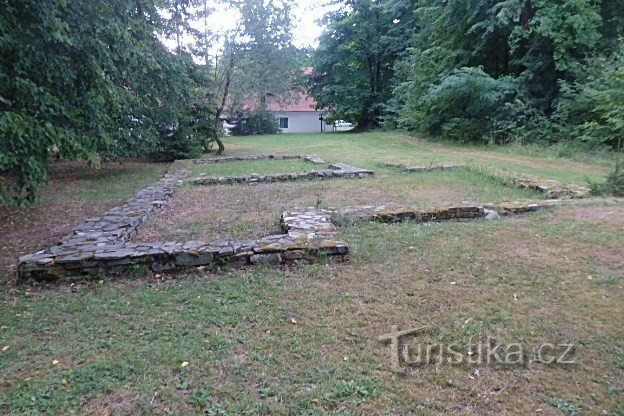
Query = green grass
x=303 y=339
x=368 y=149
x=119 y=183
x=263 y=167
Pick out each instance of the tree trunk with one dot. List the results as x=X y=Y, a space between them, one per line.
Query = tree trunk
x=226 y=91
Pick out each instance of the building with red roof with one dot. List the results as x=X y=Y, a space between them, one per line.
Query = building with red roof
x=298 y=114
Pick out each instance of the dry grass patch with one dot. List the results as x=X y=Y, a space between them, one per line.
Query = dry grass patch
x=252 y=211
x=75 y=192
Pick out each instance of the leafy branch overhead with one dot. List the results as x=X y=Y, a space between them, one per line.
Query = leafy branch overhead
x=94 y=81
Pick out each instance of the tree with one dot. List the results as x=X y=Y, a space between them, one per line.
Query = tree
x=257 y=58
x=354 y=64
x=88 y=80
x=537 y=46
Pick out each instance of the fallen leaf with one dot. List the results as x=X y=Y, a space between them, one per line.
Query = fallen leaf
x=293 y=320
x=345 y=358
x=63 y=381
x=589 y=277
x=185 y=363
x=5 y=348
x=55 y=362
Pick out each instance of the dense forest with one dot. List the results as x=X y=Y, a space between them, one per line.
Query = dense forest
x=94 y=80
x=491 y=71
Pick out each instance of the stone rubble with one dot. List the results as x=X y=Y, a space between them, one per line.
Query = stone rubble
x=550 y=187
x=101 y=245
x=336 y=170
x=399 y=213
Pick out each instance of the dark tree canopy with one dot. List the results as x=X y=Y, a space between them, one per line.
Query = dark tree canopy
x=91 y=80
x=489 y=70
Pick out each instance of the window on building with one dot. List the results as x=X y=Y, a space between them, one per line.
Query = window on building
x=283 y=122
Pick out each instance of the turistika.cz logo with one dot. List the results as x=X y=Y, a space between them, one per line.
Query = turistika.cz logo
x=406 y=353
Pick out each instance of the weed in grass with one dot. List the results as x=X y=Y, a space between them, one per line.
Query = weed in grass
x=137 y=271
x=342 y=219
x=355 y=390
x=566 y=407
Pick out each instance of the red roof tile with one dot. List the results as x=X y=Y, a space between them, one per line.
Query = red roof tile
x=301 y=103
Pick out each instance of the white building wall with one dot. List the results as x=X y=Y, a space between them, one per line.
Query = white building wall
x=304 y=121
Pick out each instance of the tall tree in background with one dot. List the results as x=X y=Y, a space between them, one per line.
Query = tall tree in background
x=354 y=64
x=526 y=51
x=257 y=58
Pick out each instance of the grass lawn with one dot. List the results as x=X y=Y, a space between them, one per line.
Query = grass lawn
x=304 y=339
x=263 y=167
x=367 y=150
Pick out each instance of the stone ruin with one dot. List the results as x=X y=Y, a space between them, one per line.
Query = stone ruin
x=335 y=170
x=103 y=244
x=551 y=188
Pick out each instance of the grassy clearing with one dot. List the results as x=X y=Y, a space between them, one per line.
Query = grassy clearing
x=303 y=340
x=243 y=211
x=263 y=167
x=113 y=182
x=366 y=150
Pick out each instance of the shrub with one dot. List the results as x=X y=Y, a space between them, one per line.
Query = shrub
x=464 y=103
x=258 y=122
x=595 y=107
x=614 y=182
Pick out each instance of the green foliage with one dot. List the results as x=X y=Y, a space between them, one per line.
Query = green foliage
x=594 y=107
x=87 y=80
x=257 y=122
x=354 y=62
x=550 y=70
x=614 y=182
x=463 y=104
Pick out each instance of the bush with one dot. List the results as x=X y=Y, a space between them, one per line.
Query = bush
x=464 y=103
x=594 y=108
x=613 y=185
x=258 y=122
x=614 y=182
